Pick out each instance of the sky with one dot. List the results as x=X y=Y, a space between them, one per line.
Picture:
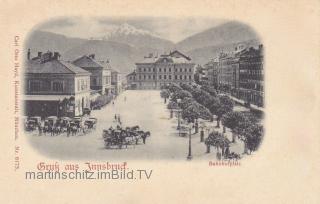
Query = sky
x=173 y=29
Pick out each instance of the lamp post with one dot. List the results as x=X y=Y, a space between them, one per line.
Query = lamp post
x=179 y=115
x=189 y=157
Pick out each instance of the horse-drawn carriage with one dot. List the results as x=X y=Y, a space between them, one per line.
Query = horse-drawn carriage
x=32 y=123
x=90 y=123
x=123 y=137
x=52 y=125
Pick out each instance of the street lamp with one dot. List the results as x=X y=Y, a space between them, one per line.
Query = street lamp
x=179 y=115
x=189 y=157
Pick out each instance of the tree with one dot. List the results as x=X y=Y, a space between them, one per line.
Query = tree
x=172 y=87
x=210 y=89
x=218 y=140
x=181 y=94
x=186 y=87
x=220 y=106
x=185 y=102
x=202 y=97
x=253 y=137
x=232 y=121
x=165 y=93
x=195 y=111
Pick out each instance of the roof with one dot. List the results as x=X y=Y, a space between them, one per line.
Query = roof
x=105 y=64
x=53 y=67
x=174 y=57
x=87 y=62
x=132 y=73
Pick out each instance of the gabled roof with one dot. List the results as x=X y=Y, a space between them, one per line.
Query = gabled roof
x=177 y=53
x=53 y=67
x=87 y=62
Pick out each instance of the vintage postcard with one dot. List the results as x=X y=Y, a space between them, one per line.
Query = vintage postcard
x=161 y=101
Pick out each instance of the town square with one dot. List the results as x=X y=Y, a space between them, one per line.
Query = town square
x=83 y=103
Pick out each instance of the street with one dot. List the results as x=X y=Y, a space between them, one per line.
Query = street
x=135 y=107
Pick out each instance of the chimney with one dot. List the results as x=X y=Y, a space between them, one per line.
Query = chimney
x=39 y=54
x=92 y=56
x=56 y=55
x=28 y=54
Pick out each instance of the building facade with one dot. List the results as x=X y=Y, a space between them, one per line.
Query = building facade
x=251 y=76
x=100 y=79
x=240 y=73
x=155 y=71
x=54 y=87
x=212 y=68
x=116 y=81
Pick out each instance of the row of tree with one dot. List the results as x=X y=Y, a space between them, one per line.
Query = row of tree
x=203 y=102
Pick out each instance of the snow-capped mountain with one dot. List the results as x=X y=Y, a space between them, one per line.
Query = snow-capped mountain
x=131 y=35
x=126 y=29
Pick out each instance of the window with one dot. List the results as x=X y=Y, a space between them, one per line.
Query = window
x=175 y=77
x=169 y=77
x=154 y=69
x=144 y=76
x=159 y=76
x=190 y=70
x=175 y=70
x=154 y=77
x=180 y=77
x=185 y=69
x=159 y=69
x=190 y=77
x=165 y=77
x=149 y=76
x=169 y=69
x=180 y=69
x=34 y=85
x=139 y=77
x=94 y=81
x=149 y=69
x=58 y=86
x=144 y=69
x=185 y=77
x=165 y=70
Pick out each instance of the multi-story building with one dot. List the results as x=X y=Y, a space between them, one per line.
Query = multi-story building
x=156 y=71
x=55 y=87
x=251 y=76
x=100 y=79
x=240 y=73
x=228 y=71
x=212 y=71
x=116 y=81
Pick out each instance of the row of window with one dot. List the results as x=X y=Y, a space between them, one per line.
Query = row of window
x=165 y=77
x=164 y=69
x=37 y=86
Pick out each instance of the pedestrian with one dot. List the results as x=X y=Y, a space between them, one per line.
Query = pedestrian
x=39 y=129
x=119 y=120
x=112 y=102
x=68 y=129
x=144 y=137
x=115 y=116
